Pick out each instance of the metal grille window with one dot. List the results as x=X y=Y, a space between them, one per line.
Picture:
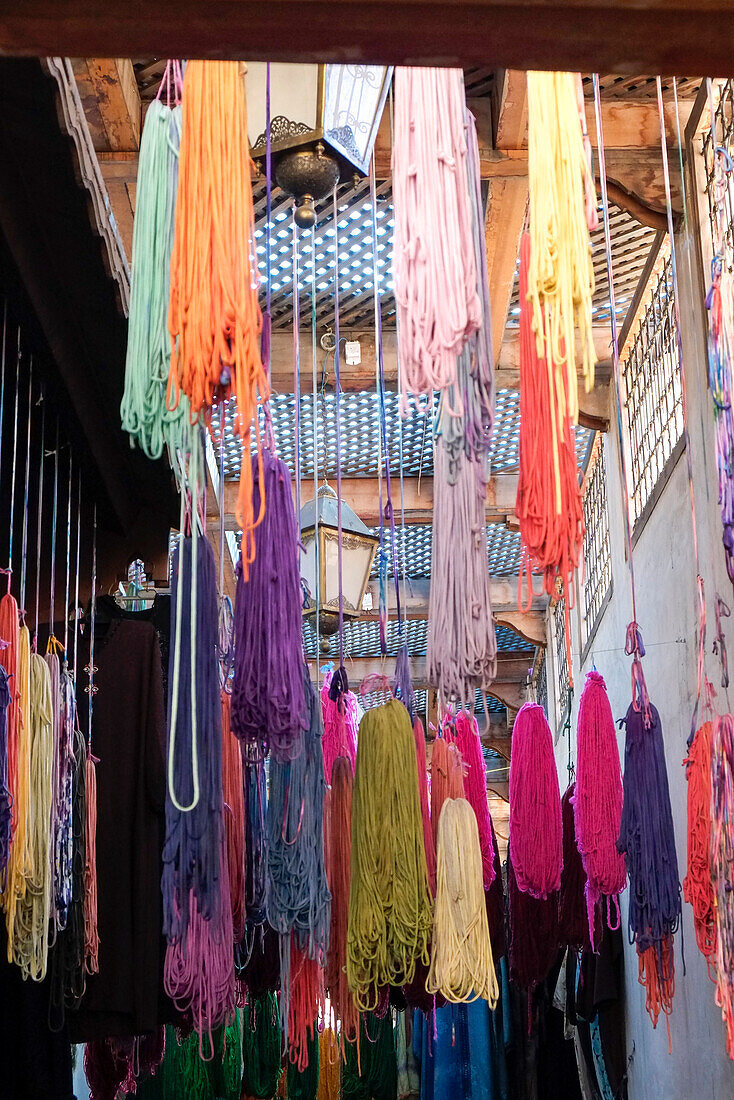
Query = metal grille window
x=720 y=205
x=541 y=684
x=653 y=404
x=563 y=678
x=597 y=546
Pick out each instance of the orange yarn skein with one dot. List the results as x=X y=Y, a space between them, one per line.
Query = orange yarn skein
x=214 y=318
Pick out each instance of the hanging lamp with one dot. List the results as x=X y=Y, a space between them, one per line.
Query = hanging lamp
x=323 y=125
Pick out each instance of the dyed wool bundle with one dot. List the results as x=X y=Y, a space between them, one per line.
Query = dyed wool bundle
x=10 y=634
x=214 y=318
x=339 y=709
x=303 y=1084
x=549 y=503
x=5 y=811
x=428 y=839
x=255 y=801
x=234 y=819
x=495 y=898
x=390 y=917
x=329 y=1083
x=462 y=646
x=261 y=1041
x=91 y=935
x=338 y=834
x=301 y=1001
x=561 y=274
x=720 y=304
x=647 y=840
x=187 y=1071
x=370 y=1069
x=447 y=779
x=722 y=861
x=33 y=908
x=145 y=415
x=536 y=831
x=698 y=885
x=199 y=975
x=259 y=960
x=475 y=787
x=20 y=866
x=573 y=922
x=63 y=794
x=297 y=896
x=435 y=273
x=112 y=1065
x=656 y=972
x=466 y=412
x=268 y=699
x=403 y=685
x=532 y=932
x=598 y=798
x=462 y=967
x=54 y=668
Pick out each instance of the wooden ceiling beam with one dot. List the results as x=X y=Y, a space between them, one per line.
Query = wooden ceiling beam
x=662 y=36
x=414 y=594
x=510 y=680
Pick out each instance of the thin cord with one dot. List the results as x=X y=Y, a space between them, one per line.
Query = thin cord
x=54 y=514
x=314 y=414
x=68 y=566
x=76 y=583
x=296 y=372
x=24 y=559
x=2 y=377
x=93 y=617
x=15 y=457
x=39 y=518
x=338 y=428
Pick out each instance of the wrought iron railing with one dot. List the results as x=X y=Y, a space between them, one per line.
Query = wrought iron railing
x=563 y=677
x=597 y=545
x=653 y=402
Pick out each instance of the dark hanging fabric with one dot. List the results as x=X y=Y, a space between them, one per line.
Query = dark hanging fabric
x=556 y=1057
x=35 y=1062
x=464 y=1058
x=646 y=834
x=128 y=737
x=258 y=959
x=416 y=995
x=533 y=933
x=600 y=994
x=573 y=924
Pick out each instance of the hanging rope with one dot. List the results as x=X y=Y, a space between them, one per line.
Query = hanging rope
x=255 y=798
x=549 y=503
x=447 y=779
x=370 y=1070
x=722 y=860
x=435 y=271
x=475 y=787
x=339 y=709
x=698 y=885
x=462 y=646
x=214 y=317
x=301 y=1003
x=144 y=412
x=20 y=866
x=234 y=819
x=338 y=836
x=390 y=915
x=656 y=972
x=296 y=892
x=428 y=839
x=536 y=831
x=647 y=840
x=573 y=922
x=560 y=271
x=268 y=701
x=598 y=798
x=462 y=967
x=261 y=1047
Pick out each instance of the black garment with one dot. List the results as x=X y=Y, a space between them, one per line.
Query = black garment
x=35 y=1062
x=128 y=736
x=601 y=993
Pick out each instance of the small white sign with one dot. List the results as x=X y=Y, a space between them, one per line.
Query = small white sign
x=353 y=353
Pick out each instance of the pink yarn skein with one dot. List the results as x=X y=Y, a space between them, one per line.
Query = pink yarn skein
x=536 y=832
x=475 y=788
x=340 y=727
x=598 y=798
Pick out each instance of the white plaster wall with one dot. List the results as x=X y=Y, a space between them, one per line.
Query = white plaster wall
x=665 y=576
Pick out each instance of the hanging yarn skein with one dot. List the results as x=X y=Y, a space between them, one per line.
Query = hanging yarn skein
x=429 y=843
x=338 y=837
x=447 y=779
x=549 y=503
x=647 y=840
x=144 y=412
x=532 y=932
x=5 y=800
x=536 y=831
x=234 y=819
x=722 y=861
x=297 y=896
x=560 y=271
x=573 y=923
x=261 y=1046
x=339 y=709
x=475 y=787
x=698 y=885
x=435 y=272
x=390 y=917
x=268 y=698
x=20 y=866
x=598 y=797
x=214 y=318
x=462 y=967
x=462 y=645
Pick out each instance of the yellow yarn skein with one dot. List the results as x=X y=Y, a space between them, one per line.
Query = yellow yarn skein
x=390 y=908
x=462 y=966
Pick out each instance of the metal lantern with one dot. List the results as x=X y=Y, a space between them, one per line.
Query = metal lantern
x=358 y=551
x=323 y=125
